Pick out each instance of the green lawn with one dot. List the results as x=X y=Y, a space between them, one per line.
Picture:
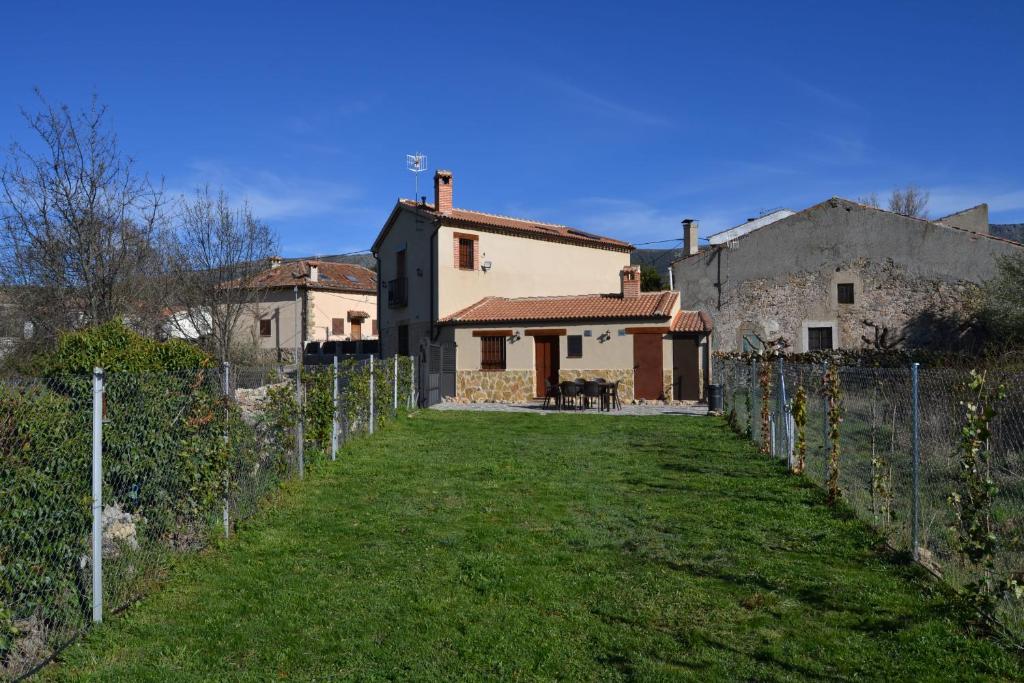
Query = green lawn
x=472 y=545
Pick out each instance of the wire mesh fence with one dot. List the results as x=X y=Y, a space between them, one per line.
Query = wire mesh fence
x=181 y=457
x=879 y=435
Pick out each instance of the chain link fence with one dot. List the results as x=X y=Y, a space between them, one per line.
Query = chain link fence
x=106 y=478
x=879 y=435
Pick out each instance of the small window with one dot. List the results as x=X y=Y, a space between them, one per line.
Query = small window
x=845 y=292
x=819 y=338
x=337 y=326
x=751 y=343
x=492 y=353
x=574 y=346
x=264 y=328
x=466 y=247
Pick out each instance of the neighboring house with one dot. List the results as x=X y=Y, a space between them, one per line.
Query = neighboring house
x=840 y=275
x=310 y=300
x=522 y=302
x=1009 y=231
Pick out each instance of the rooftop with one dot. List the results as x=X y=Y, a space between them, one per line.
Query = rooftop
x=331 y=276
x=576 y=307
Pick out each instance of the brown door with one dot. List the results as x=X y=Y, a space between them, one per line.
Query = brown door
x=647 y=360
x=686 y=368
x=357 y=329
x=546 y=361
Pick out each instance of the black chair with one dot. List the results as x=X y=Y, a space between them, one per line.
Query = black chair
x=570 y=394
x=612 y=395
x=592 y=390
x=552 y=391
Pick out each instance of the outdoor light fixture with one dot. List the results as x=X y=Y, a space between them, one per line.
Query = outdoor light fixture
x=485 y=266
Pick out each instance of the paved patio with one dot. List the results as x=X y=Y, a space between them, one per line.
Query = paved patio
x=538 y=407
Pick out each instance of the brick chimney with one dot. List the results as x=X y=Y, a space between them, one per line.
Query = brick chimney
x=690 y=229
x=630 y=278
x=275 y=261
x=443 y=191
x=314 y=272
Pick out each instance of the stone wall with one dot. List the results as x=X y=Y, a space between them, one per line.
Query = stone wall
x=923 y=311
x=621 y=374
x=495 y=385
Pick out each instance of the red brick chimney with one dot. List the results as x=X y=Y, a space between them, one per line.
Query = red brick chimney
x=443 y=191
x=630 y=278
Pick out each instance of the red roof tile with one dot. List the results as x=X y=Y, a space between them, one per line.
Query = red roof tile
x=341 y=277
x=519 y=226
x=579 y=307
x=691 y=321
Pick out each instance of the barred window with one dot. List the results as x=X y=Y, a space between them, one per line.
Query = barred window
x=466 y=253
x=264 y=328
x=492 y=353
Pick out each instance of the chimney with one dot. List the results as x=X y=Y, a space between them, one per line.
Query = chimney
x=630 y=278
x=275 y=261
x=314 y=272
x=690 y=229
x=443 y=191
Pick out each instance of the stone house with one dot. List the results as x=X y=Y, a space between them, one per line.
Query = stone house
x=839 y=275
x=519 y=302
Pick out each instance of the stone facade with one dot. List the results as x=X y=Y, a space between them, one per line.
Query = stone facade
x=622 y=374
x=923 y=311
x=495 y=385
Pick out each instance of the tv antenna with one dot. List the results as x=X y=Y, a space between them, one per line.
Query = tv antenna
x=417 y=163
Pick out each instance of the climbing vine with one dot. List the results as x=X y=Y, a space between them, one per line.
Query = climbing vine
x=977 y=535
x=831 y=388
x=764 y=379
x=799 y=412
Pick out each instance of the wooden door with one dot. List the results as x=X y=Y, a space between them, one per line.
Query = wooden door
x=647 y=362
x=686 y=368
x=357 y=329
x=545 y=361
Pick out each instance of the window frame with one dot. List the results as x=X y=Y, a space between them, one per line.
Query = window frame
x=820 y=330
x=270 y=328
x=849 y=289
x=570 y=340
x=493 y=359
x=337 y=327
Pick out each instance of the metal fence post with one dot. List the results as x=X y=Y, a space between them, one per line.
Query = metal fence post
x=97 y=495
x=300 y=438
x=395 y=379
x=755 y=403
x=371 y=394
x=916 y=523
x=334 y=414
x=227 y=477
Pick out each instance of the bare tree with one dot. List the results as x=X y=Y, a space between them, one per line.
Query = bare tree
x=78 y=224
x=869 y=200
x=216 y=252
x=910 y=201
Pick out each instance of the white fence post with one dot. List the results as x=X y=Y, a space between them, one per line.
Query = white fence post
x=371 y=393
x=227 y=476
x=334 y=414
x=916 y=522
x=97 y=494
x=395 y=378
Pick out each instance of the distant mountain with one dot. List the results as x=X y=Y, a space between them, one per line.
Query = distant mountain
x=365 y=259
x=1008 y=231
x=659 y=258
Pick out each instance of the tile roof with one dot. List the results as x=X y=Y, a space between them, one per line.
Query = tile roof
x=691 y=321
x=341 y=277
x=578 y=307
x=520 y=226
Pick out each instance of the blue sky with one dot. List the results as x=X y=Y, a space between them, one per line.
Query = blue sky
x=621 y=118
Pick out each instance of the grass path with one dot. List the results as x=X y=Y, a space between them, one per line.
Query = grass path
x=459 y=546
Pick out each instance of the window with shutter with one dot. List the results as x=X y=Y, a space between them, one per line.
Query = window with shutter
x=466 y=253
x=337 y=326
x=492 y=353
x=844 y=292
x=574 y=346
x=819 y=338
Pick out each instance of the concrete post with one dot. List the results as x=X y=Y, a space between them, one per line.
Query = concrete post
x=334 y=414
x=372 y=381
x=916 y=522
x=394 y=377
x=227 y=478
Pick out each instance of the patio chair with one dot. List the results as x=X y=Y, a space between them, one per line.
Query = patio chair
x=592 y=390
x=612 y=395
x=570 y=394
x=552 y=391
